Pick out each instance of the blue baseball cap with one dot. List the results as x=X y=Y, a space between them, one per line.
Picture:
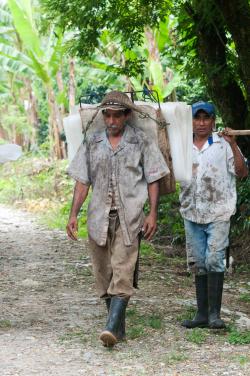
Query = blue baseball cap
x=204 y=106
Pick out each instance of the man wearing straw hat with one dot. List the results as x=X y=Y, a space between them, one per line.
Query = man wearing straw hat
x=123 y=167
x=207 y=204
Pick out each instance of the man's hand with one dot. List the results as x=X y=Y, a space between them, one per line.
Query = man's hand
x=225 y=134
x=72 y=228
x=149 y=226
x=241 y=169
x=80 y=194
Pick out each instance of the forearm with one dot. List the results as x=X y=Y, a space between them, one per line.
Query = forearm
x=241 y=169
x=80 y=195
x=153 y=194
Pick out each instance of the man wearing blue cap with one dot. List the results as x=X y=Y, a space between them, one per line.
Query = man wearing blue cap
x=207 y=204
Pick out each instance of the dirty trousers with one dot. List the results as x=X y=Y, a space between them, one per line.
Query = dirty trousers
x=114 y=264
x=206 y=245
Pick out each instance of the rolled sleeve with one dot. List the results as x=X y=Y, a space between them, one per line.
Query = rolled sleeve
x=154 y=164
x=78 y=168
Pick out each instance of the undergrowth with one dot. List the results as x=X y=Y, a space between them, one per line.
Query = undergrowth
x=42 y=186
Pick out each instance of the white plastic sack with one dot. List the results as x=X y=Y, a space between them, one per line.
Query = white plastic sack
x=177 y=114
x=9 y=152
x=180 y=133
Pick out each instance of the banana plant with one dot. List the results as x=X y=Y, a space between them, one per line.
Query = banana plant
x=40 y=55
x=111 y=57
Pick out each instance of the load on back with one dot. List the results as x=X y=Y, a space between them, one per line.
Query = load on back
x=169 y=125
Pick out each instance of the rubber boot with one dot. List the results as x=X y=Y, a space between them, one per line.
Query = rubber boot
x=108 y=302
x=112 y=333
x=215 y=289
x=121 y=333
x=200 y=320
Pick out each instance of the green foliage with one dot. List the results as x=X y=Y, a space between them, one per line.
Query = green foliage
x=5 y=324
x=169 y=218
x=58 y=218
x=245 y=297
x=196 y=335
x=175 y=357
x=187 y=314
x=236 y=337
x=148 y=252
x=43 y=187
x=17 y=119
x=139 y=324
x=92 y=19
x=243 y=359
x=241 y=220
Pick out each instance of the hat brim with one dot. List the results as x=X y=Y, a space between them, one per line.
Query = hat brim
x=112 y=107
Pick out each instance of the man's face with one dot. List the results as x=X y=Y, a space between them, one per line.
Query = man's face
x=203 y=124
x=115 y=122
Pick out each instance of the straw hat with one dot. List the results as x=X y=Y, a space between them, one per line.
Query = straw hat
x=116 y=100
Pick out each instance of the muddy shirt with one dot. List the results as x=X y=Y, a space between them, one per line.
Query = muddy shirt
x=211 y=195
x=135 y=163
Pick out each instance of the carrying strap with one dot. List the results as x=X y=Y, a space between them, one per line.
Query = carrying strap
x=160 y=121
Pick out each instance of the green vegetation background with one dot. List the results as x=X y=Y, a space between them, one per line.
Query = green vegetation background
x=42 y=186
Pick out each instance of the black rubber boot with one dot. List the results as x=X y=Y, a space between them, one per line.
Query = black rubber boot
x=121 y=333
x=115 y=327
x=200 y=320
x=108 y=302
x=215 y=289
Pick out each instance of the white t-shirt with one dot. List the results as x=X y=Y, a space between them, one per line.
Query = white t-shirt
x=211 y=195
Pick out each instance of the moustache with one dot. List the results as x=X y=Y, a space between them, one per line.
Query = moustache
x=112 y=127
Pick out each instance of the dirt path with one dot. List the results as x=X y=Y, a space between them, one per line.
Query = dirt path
x=50 y=317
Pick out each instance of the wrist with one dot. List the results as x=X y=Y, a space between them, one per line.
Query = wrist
x=234 y=146
x=153 y=212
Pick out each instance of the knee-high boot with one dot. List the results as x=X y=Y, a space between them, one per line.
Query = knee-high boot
x=122 y=331
x=115 y=327
x=200 y=320
x=215 y=289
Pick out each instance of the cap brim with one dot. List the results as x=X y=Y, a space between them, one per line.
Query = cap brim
x=202 y=109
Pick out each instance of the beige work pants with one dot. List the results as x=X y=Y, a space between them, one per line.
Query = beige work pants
x=114 y=264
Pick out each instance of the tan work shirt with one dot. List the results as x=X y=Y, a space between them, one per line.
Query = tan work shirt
x=211 y=194
x=135 y=163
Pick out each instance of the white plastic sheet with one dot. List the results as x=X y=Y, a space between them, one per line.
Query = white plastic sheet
x=10 y=152
x=180 y=133
x=178 y=115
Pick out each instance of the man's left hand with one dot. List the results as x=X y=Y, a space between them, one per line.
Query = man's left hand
x=149 y=226
x=230 y=139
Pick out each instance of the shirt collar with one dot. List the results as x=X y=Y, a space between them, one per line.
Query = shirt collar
x=216 y=138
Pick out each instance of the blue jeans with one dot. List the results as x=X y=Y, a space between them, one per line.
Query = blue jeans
x=206 y=245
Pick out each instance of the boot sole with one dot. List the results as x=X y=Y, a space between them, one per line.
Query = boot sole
x=196 y=326
x=189 y=324
x=108 y=338
x=217 y=327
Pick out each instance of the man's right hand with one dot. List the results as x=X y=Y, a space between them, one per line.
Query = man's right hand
x=72 y=228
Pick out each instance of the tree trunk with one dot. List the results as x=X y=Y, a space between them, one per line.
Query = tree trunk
x=32 y=112
x=237 y=17
x=72 y=87
x=59 y=80
x=60 y=112
x=54 y=124
x=221 y=82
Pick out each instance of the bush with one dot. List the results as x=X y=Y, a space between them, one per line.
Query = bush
x=241 y=220
x=170 y=220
